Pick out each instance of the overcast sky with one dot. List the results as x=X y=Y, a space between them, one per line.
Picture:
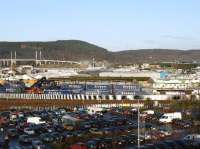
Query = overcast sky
x=112 y=24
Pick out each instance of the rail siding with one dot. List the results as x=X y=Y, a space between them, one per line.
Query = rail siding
x=64 y=96
x=52 y=101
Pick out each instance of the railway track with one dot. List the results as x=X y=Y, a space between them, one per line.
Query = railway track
x=6 y=104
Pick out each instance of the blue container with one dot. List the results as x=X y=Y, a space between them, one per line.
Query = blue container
x=99 y=89
x=2 y=89
x=14 y=87
x=73 y=88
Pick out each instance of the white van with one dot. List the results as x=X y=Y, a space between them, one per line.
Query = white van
x=35 y=120
x=168 y=117
x=94 y=110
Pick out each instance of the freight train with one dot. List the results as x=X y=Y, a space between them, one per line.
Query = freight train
x=44 y=86
x=12 y=87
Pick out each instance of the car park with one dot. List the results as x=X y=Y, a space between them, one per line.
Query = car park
x=106 y=131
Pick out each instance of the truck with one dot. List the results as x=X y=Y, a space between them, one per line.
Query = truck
x=35 y=120
x=168 y=117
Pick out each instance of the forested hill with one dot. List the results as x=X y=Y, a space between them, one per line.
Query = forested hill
x=80 y=50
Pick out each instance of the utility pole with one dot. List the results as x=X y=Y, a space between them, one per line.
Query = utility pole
x=40 y=57
x=15 y=58
x=15 y=55
x=93 y=63
x=11 y=60
x=198 y=90
x=40 y=54
x=36 y=58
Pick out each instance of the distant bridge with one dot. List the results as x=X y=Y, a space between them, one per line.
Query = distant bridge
x=8 y=62
x=37 y=60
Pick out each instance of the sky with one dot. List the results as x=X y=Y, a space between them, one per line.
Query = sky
x=113 y=24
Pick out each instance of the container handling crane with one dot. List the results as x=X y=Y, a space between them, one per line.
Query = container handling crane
x=39 y=86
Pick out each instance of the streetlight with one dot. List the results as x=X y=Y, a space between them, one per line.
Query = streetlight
x=138 y=109
x=138 y=117
x=138 y=113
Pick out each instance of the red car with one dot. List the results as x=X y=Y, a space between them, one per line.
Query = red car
x=79 y=146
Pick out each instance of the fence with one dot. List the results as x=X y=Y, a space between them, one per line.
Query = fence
x=64 y=96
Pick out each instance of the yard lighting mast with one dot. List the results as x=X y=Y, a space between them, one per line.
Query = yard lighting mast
x=138 y=109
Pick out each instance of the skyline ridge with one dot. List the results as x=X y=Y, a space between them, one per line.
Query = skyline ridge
x=63 y=40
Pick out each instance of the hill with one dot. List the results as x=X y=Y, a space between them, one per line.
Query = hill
x=80 y=50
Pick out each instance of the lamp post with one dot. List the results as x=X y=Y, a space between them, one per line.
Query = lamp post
x=138 y=122
x=138 y=104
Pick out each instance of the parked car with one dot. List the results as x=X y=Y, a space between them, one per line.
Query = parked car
x=173 y=144
x=162 y=145
x=119 y=142
x=79 y=146
x=165 y=131
x=46 y=137
x=182 y=123
x=98 y=143
x=25 y=139
x=192 y=137
x=29 y=131
x=37 y=144
x=57 y=136
x=96 y=131
x=12 y=132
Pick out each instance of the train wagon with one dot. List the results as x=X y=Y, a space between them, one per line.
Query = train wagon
x=14 y=87
x=98 y=89
x=126 y=89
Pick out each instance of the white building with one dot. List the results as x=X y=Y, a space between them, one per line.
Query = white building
x=152 y=74
x=172 y=84
x=176 y=86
